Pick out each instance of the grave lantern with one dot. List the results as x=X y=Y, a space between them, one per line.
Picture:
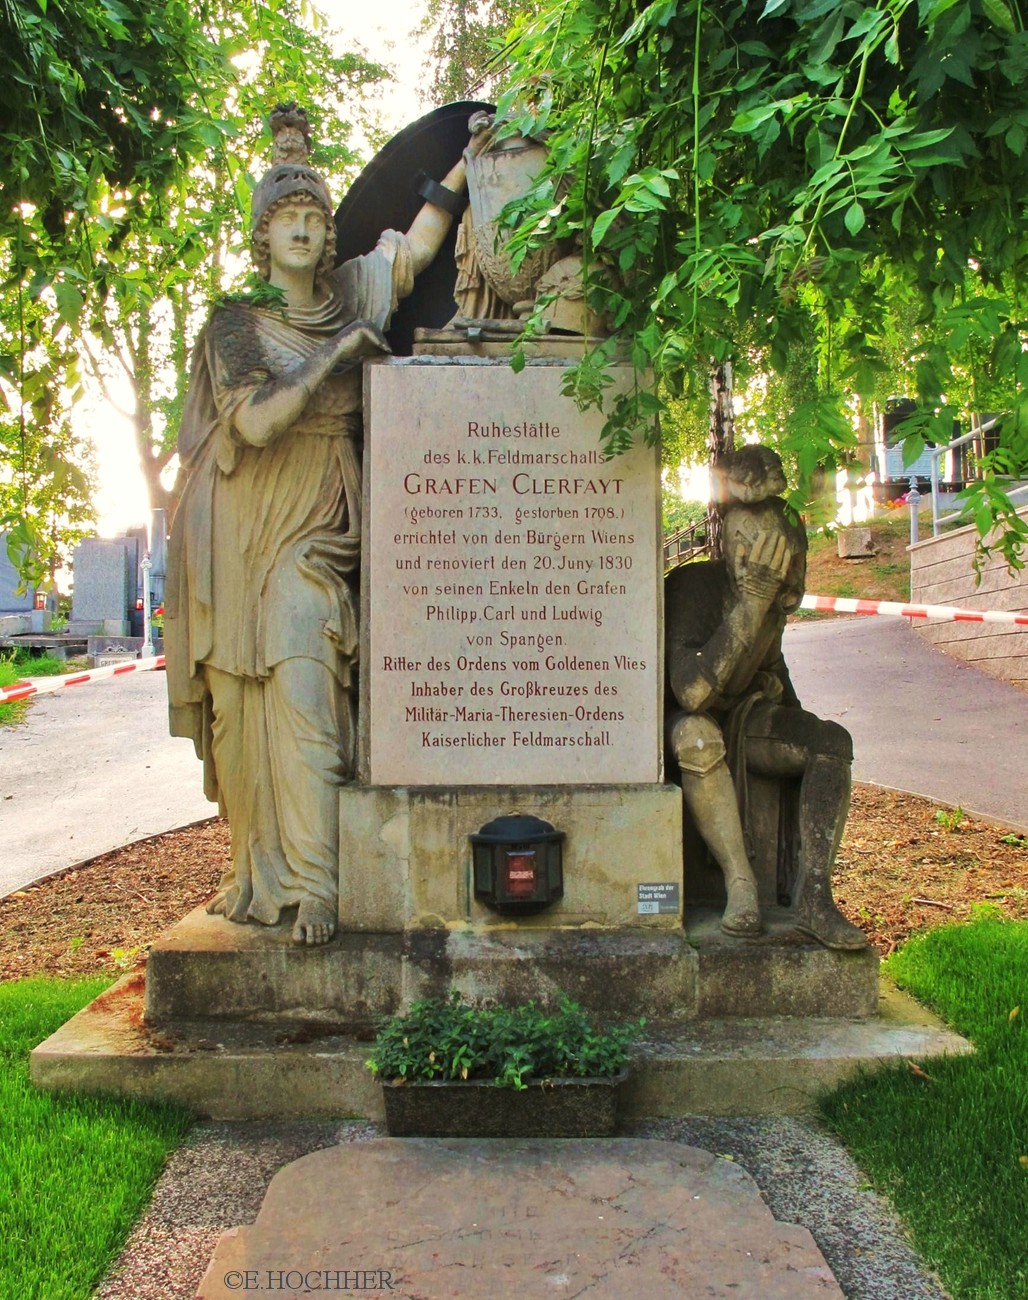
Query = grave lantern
x=518 y=863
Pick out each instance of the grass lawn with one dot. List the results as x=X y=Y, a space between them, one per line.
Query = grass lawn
x=949 y=1145
x=75 y=1172
x=882 y=576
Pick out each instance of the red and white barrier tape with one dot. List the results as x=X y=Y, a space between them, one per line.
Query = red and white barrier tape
x=846 y=605
x=826 y=604
x=44 y=685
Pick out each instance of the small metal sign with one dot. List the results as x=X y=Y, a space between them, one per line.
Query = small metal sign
x=114 y=658
x=657 y=899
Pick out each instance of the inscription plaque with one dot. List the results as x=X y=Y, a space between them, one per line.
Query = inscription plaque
x=512 y=583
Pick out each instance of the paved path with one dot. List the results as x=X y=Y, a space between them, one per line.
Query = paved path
x=92 y=767
x=920 y=721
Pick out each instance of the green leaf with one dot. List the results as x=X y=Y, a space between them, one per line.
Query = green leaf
x=854 y=218
x=1000 y=16
x=1015 y=139
x=69 y=302
x=913 y=448
x=604 y=221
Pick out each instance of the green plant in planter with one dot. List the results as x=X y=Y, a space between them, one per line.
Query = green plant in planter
x=451 y=1040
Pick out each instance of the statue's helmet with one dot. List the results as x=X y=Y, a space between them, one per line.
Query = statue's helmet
x=289 y=177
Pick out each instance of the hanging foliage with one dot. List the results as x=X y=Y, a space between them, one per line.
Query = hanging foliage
x=745 y=183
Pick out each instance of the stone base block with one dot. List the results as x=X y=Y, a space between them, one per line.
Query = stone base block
x=782 y=973
x=207 y=968
x=622 y=974
x=405 y=857
x=767 y=1066
x=855 y=544
x=110 y=627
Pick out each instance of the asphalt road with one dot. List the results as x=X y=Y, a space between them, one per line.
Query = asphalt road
x=920 y=720
x=93 y=767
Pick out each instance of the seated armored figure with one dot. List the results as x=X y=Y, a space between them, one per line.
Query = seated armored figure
x=731 y=707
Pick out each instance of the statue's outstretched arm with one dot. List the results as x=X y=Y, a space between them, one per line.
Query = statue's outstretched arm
x=428 y=230
x=278 y=404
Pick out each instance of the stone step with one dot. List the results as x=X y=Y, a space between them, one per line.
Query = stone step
x=733 y=1066
x=207 y=968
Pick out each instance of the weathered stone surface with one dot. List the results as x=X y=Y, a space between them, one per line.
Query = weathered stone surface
x=248 y=1071
x=781 y=973
x=855 y=544
x=622 y=975
x=207 y=967
x=613 y=1217
x=224 y=1071
x=405 y=854
x=507 y=561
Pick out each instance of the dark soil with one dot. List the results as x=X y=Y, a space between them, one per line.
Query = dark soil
x=901 y=869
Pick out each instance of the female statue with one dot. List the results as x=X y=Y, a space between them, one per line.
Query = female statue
x=261 y=607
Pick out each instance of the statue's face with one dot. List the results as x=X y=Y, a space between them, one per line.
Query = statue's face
x=290 y=144
x=296 y=235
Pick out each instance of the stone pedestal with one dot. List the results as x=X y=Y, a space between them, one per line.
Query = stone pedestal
x=405 y=856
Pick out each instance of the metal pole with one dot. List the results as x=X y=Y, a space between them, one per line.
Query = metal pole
x=936 y=453
x=147 y=651
x=914 y=502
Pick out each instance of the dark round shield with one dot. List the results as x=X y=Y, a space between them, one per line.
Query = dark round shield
x=383 y=198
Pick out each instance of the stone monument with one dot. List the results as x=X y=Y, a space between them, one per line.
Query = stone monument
x=415 y=629
x=383 y=668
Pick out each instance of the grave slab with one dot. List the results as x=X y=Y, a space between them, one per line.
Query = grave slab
x=483 y=1219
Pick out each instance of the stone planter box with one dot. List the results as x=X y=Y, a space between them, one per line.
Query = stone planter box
x=478 y=1108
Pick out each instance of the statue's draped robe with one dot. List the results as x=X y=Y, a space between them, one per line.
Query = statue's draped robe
x=261 y=628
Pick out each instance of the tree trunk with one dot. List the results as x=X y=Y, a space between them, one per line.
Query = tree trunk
x=720 y=440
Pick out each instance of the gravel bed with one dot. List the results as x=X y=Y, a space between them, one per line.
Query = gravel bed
x=217 y=1180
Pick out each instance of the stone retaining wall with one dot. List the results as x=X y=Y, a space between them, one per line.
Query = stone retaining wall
x=942 y=573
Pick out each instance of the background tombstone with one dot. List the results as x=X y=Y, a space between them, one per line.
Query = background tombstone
x=105 y=586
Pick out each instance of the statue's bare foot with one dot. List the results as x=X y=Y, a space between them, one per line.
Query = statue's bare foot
x=315 y=923
x=742 y=915
x=218 y=905
x=828 y=926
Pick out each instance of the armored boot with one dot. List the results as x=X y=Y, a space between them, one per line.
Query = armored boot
x=824 y=805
